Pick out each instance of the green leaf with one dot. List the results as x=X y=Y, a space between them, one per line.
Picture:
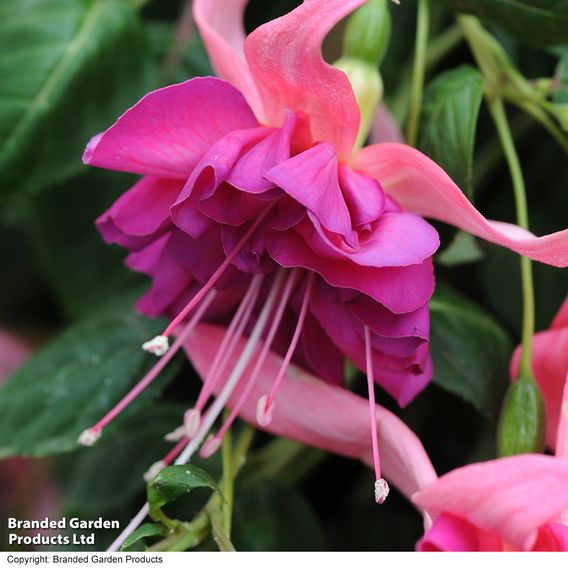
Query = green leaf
x=462 y=250
x=561 y=79
x=69 y=68
x=173 y=482
x=60 y=224
x=271 y=516
x=124 y=457
x=470 y=351
x=144 y=531
x=75 y=380
x=541 y=22
x=448 y=122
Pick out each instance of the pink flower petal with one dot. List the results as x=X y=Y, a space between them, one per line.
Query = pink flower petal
x=167 y=132
x=140 y=214
x=552 y=537
x=509 y=497
x=220 y=24
x=452 y=534
x=401 y=289
x=561 y=318
x=312 y=179
x=385 y=128
x=324 y=416
x=285 y=60
x=421 y=186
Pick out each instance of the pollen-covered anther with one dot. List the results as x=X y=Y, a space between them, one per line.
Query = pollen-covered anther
x=89 y=437
x=158 y=346
x=175 y=435
x=382 y=490
x=153 y=470
x=211 y=445
x=191 y=422
x=264 y=411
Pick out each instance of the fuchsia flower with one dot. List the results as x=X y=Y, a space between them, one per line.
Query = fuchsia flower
x=517 y=503
x=257 y=212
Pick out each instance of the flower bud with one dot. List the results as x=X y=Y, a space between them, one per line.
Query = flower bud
x=367 y=85
x=367 y=33
x=522 y=421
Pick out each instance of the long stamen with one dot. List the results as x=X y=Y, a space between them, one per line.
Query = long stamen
x=213 y=443
x=228 y=344
x=381 y=486
x=158 y=466
x=265 y=405
x=91 y=435
x=216 y=275
x=217 y=407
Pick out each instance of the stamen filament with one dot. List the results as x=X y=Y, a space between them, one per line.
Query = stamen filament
x=221 y=400
x=289 y=286
x=233 y=333
x=381 y=486
x=95 y=430
x=265 y=406
x=217 y=274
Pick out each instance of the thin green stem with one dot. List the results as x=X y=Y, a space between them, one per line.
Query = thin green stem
x=501 y=123
x=418 y=71
x=227 y=484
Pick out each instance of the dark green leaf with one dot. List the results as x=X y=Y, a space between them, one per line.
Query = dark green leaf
x=124 y=458
x=271 y=516
x=561 y=79
x=81 y=269
x=175 y=481
x=448 y=122
x=68 y=68
x=541 y=22
x=470 y=350
x=144 y=531
x=71 y=383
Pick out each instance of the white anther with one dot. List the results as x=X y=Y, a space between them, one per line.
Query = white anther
x=158 y=346
x=211 y=445
x=192 y=421
x=381 y=490
x=153 y=470
x=89 y=437
x=264 y=412
x=175 y=435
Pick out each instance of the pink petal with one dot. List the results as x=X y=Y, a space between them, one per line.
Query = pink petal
x=550 y=366
x=140 y=214
x=509 y=497
x=400 y=289
x=561 y=318
x=324 y=416
x=312 y=179
x=285 y=60
x=552 y=537
x=452 y=534
x=385 y=128
x=167 y=132
x=421 y=186
x=220 y=24
x=364 y=196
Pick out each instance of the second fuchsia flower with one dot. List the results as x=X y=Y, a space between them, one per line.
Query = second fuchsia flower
x=256 y=211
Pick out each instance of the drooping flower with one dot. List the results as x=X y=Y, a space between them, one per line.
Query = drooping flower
x=257 y=212
x=516 y=503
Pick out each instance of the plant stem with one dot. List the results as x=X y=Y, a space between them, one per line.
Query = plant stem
x=227 y=485
x=418 y=70
x=500 y=118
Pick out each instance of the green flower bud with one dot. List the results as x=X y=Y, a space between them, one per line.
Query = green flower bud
x=523 y=419
x=367 y=32
x=368 y=88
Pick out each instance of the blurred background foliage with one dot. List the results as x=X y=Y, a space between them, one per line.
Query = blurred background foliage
x=68 y=68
